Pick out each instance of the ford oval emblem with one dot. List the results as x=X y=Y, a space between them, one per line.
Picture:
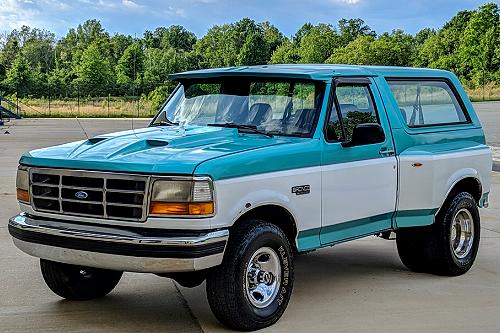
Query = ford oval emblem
x=81 y=195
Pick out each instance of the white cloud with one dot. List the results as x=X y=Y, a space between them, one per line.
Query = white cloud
x=100 y=4
x=131 y=4
x=15 y=13
x=348 y=2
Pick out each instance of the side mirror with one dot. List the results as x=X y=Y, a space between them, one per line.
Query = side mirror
x=365 y=134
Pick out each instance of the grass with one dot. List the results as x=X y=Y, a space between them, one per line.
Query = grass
x=490 y=92
x=100 y=107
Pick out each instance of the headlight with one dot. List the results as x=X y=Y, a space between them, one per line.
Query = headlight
x=182 y=197
x=22 y=185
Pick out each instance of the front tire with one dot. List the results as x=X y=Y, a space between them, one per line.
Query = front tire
x=78 y=283
x=251 y=289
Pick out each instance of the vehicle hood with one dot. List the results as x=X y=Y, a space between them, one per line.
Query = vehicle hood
x=165 y=149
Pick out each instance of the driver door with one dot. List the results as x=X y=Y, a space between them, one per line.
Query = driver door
x=359 y=183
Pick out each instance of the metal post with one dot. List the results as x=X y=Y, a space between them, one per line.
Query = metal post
x=484 y=65
x=78 y=98
x=108 y=104
x=483 y=83
x=49 y=99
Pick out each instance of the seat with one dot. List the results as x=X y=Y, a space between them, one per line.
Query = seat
x=259 y=113
x=304 y=119
x=405 y=117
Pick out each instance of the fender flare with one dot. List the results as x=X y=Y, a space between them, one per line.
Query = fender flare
x=455 y=178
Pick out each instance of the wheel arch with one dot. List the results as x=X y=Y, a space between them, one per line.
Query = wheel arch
x=275 y=214
x=469 y=183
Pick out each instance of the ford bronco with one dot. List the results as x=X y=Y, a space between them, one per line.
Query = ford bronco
x=243 y=168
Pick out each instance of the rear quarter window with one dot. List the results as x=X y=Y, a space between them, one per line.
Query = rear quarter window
x=427 y=102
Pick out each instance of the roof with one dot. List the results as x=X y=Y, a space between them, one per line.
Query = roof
x=323 y=72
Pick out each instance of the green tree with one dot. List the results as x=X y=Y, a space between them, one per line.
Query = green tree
x=130 y=67
x=177 y=37
x=19 y=76
x=352 y=28
x=118 y=44
x=222 y=45
x=286 y=53
x=160 y=63
x=272 y=36
x=395 y=49
x=478 y=44
x=94 y=72
x=318 y=43
x=255 y=51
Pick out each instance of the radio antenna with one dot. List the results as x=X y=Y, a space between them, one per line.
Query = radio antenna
x=133 y=89
x=81 y=126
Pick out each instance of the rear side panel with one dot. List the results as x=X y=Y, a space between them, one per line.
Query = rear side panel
x=429 y=172
x=433 y=159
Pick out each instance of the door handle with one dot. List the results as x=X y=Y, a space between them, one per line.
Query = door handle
x=385 y=152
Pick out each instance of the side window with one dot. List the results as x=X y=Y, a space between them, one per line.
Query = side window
x=356 y=107
x=424 y=103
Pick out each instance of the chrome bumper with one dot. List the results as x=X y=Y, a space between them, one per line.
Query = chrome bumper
x=131 y=249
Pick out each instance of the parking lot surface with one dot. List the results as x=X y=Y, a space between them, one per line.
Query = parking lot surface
x=359 y=286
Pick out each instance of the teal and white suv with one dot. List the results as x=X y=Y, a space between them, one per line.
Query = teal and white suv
x=242 y=168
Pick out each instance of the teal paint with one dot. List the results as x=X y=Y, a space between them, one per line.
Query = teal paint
x=318 y=237
x=296 y=153
x=139 y=151
x=354 y=229
x=307 y=72
x=322 y=72
x=315 y=238
x=415 y=218
x=308 y=240
x=484 y=199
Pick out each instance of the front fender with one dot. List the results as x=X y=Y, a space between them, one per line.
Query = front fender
x=236 y=196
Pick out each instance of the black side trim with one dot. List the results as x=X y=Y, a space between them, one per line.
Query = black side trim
x=143 y=250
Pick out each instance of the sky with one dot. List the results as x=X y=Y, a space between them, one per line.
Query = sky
x=133 y=17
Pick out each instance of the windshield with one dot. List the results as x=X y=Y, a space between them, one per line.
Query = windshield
x=269 y=106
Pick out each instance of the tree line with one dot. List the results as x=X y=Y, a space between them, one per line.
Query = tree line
x=88 y=61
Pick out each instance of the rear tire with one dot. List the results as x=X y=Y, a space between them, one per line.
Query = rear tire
x=250 y=290
x=449 y=246
x=411 y=244
x=78 y=283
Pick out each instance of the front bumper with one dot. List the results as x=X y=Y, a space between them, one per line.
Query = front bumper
x=132 y=249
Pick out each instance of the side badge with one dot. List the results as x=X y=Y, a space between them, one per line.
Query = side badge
x=302 y=189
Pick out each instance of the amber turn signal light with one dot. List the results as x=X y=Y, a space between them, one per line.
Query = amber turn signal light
x=22 y=195
x=181 y=208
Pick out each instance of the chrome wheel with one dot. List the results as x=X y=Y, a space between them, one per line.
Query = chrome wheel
x=263 y=276
x=462 y=233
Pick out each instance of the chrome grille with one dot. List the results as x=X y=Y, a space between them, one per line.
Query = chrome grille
x=89 y=193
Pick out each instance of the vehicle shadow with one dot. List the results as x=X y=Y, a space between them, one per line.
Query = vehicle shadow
x=151 y=307
x=332 y=283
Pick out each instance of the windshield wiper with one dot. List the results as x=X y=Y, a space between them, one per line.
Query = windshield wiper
x=249 y=128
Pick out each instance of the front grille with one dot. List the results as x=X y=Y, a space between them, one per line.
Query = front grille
x=88 y=193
